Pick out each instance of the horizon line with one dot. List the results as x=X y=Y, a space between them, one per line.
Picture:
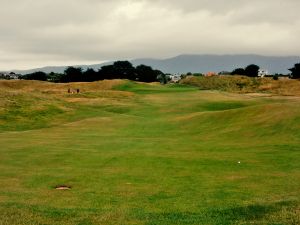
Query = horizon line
x=146 y=58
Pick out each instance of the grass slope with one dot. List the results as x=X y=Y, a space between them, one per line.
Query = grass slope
x=243 y=84
x=147 y=154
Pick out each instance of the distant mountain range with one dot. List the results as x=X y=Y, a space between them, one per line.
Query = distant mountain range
x=198 y=63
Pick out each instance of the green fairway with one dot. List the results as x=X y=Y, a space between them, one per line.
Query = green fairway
x=136 y=153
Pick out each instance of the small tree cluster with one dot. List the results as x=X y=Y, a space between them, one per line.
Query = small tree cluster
x=295 y=71
x=125 y=70
x=35 y=76
x=250 y=71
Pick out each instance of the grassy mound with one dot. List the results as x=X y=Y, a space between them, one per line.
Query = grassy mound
x=34 y=104
x=242 y=84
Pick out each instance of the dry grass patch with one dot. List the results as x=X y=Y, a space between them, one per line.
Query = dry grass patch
x=42 y=86
x=242 y=84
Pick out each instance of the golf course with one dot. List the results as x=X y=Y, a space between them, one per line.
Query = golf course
x=120 y=152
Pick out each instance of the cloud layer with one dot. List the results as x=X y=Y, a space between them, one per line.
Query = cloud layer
x=54 y=32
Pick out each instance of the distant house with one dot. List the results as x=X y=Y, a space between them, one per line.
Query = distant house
x=210 y=74
x=175 y=78
x=262 y=73
x=224 y=73
x=9 y=76
x=13 y=76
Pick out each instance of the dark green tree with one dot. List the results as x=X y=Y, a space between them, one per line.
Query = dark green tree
x=73 y=74
x=295 y=71
x=107 y=72
x=147 y=74
x=252 y=70
x=35 y=76
x=90 y=75
x=55 y=77
x=124 y=70
x=238 y=71
x=119 y=70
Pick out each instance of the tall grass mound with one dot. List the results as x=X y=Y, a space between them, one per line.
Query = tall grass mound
x=42 y=86
x=36 y=104
x=242 y=84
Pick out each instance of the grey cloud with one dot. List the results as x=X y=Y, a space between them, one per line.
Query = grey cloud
x=242 y=11
x=38 y=32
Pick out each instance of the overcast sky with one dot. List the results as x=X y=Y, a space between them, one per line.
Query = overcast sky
x=65 y=32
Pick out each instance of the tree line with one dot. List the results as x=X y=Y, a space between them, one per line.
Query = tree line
x=118 y=70
x=125 y=70
x=249 y=71
x=252 y=71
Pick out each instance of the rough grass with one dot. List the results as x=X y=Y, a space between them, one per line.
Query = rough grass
x=33 y=104
x=147 y=154
x=242 y=84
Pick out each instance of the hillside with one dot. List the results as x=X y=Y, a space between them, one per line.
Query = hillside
x=218 y=63
x=134 y=153
x=199 y=63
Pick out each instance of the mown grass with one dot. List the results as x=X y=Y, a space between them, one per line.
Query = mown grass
x=148 y=154
x=154 y=88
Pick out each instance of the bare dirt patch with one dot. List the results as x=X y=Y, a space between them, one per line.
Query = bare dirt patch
x=63 y=187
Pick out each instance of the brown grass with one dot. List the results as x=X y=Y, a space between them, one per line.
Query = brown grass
x=100 y=90
x=242 y=84
x=29 y=85
x=23 y=102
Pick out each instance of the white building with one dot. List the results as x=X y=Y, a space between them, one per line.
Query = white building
x=9 y=76
x=13 y=76
x=175 y=78
x=262 y=73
